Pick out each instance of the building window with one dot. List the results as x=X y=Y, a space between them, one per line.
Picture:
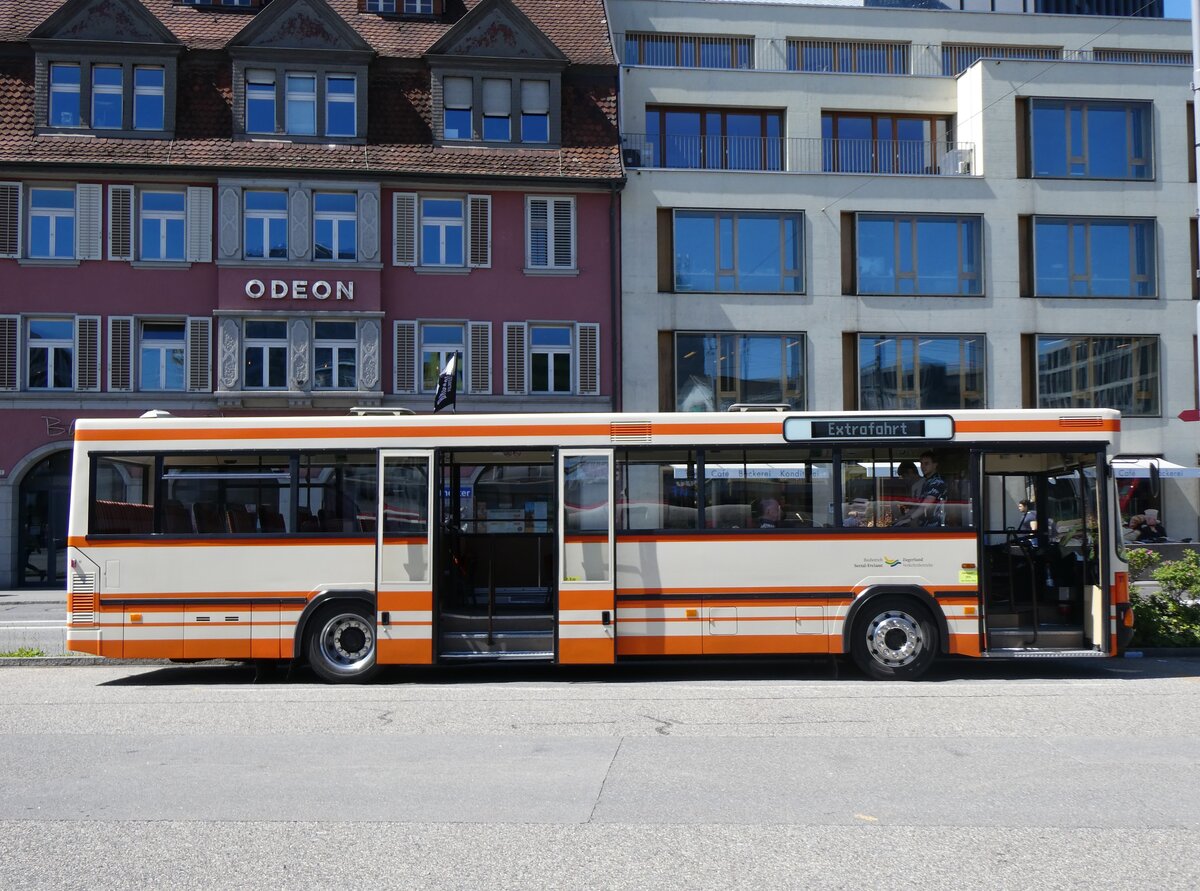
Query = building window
x=497 y=110
x=883 y=143
x=739 y=251
x=266 y=225
x=919 y=254
x=336 y=349
x=849 y=57
x=714 y=371
x=418 y=7
x=260 y=101
x=456 y=99
x=64 y=96
x=266 y=355
x=335 y=225
x=550 y=234
x=1099 y=372
x=550 y=358
x=162 y=226
x=688 y=50
x=442 y=232
x=51 y=354
x=1094 y=257
x=383 y=7
x=341 y=115
x=149 y=97
x=52 y=223
x=161 y=358
x=716 y=139
x=535 y=111
x=107 y=91
x=438 y=344
x=302 y=104
x=914 y=371
x=1092 y=139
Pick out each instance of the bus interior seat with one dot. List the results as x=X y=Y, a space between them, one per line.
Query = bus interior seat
x=270 y=520
x=238 y=519
x=176 y=517
x=206 y=516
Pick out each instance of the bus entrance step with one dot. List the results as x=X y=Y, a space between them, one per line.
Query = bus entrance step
x=458 y=644
x=465 y=622
x=1045 y=639
x=1026 y=653
x=525 y=656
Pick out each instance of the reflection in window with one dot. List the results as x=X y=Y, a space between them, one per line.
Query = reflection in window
x=456 y=101
x=51 y=354
x=919 y=255
x=714 y=371
x=715 y=139
x=880 y=143
x=1093 y=139
x=738 y=251
x=162 y=228
x=766 y=488
x=52 y=223
x=226 y=494
x=905 y=487
x=161 y=356
x=438 y=344
x=335 y=226
x=64 y=96
x=497 y=109
x=535 y=111
x=265 y=354
x=260 y=101
x=920 y=372
x=442 y=232
x=341 y=118
x=302 y=104
x=1094 y=257
x=335 y=348
x=337 y=493
x=149 y=102
x=266 y=222
x=550 y=359
x=849 y=57
x=1099 y=372
x=656 y=489
x=107 y=93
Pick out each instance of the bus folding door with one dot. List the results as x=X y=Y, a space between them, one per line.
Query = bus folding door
x=586 y=593
x=405 y=549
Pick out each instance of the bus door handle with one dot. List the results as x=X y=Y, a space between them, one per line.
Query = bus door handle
x=606 y=617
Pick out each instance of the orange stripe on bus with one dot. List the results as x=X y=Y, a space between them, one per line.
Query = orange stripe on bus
x=404 y=652
x=84 y=542
x=585 y=599
x=757 y=536
x=1049 y=426
x=726 y=589
x=658 y=646
x=585 y=652
x=409 y=601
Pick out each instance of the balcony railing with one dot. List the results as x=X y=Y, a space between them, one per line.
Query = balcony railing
x=914 y=157
x=821 y=56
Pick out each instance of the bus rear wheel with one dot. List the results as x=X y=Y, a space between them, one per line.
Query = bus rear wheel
x=894 y=639
x=341 y=644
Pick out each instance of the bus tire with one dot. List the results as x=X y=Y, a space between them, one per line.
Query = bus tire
x=341 y=643
x=894 y=639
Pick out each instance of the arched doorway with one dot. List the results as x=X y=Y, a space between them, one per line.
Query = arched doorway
x=42 y=523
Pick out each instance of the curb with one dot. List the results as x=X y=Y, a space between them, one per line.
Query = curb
x=55 y=661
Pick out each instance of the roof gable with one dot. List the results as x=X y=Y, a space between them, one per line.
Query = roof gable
x=497 y=29
x=299 y=25
x=117 y=21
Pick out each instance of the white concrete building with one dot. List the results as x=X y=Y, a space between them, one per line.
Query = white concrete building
x=839 y=207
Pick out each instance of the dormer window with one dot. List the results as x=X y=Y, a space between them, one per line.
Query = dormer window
x=110 y=97
x=64 y=95
x=402 y=7
x=302 y=103
x=260 y=101
x=107 y=93
x=497 y=109
x=149 y=97
x=505 y=110
x=341 y=118
x=535 y=111
x=457 y=117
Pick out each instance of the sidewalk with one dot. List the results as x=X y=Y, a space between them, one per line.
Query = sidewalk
x=33 y=618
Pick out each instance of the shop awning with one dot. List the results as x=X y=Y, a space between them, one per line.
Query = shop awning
x=1139 y=468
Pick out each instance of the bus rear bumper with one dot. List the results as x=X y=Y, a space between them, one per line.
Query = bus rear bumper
x=84 y=640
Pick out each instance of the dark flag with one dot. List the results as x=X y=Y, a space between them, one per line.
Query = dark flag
x=447 y=389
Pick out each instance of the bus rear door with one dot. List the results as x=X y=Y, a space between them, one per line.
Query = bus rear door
x=404 y=545
x=586 y=593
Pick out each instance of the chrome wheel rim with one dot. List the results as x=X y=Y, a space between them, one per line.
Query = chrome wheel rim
x=894 y=639
x=347 y=643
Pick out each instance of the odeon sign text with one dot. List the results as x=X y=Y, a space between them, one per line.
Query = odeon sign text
x=299 y=289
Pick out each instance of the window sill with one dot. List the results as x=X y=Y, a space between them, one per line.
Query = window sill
x=531 y=270
x=160 y=264
x=48 y=262
x=85 y=133
x=442 y=270
x=297 y=266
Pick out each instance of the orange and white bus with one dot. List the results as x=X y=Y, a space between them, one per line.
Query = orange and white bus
x=354 y=542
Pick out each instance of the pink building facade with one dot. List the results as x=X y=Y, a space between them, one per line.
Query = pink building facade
x=296 y=206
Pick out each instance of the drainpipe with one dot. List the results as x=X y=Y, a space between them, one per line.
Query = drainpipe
x=614 y=292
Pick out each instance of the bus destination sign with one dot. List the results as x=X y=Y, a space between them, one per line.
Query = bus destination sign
x=856 y=429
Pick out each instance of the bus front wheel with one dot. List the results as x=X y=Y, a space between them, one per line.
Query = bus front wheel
x=894 y=639
x=341 y=643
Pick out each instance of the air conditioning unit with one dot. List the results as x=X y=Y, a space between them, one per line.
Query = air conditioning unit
x=632 y=157
x=956 y=162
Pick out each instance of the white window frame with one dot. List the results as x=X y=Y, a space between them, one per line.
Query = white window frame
x=443 y=352
x=334 y=217
x=336 y=345
x=162 y=217
x=149 y=91
x=551 y=352
x=262 y=76
x=351 y=99
x=504 y=87
x=298 y=96
x=264 y=346
x=380 y=7
x=418 y=7
x=469 y=108
x=107 y=90
x=443 y=225
x=53 y=214
x=162 y=348
x=549 y=226
x=76 y=88
x=526 y=96
x=51 y=347
x=263 y=218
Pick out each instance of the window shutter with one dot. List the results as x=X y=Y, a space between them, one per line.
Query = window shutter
x=120 y=222
x=368 y=224
x=587 y=336
x=481 y=357
x=88 y=203
x=199 y=224
x=564 y=233
x=87 y=353
x=537 y=233
x=10 y=219
x=404 y=229
x=120 y=355
x=404 y=337
x=199 y=354
x=9 y=370
x=480 y=210
x=514 y=358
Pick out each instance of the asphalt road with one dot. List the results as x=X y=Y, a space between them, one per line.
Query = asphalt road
x=776 y=775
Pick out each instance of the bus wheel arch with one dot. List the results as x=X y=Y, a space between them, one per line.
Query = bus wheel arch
x=336 y=635
x=895 y=633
